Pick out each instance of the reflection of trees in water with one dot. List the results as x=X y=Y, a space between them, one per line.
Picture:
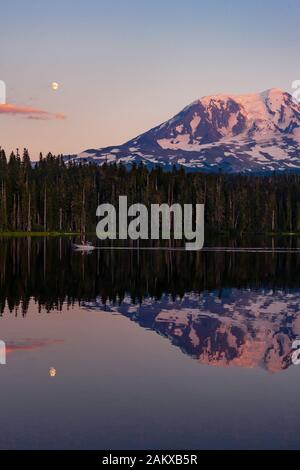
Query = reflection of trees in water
x=50 y=272
x=198 y=300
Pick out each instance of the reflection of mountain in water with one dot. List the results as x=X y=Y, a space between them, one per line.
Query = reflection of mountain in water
x=228 y=328
x=243 y=310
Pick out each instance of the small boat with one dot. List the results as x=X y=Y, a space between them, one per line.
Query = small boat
x=86 y=246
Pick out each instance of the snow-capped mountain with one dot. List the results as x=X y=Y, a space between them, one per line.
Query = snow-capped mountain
x=258 y=132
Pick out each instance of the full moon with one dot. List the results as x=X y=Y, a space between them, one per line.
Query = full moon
x=52 y=372
x=54 y=86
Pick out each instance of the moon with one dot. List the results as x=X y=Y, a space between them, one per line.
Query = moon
x=54 y=86
x=52 y=372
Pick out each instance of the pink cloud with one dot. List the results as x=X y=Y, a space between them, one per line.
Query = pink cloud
x=29 y=112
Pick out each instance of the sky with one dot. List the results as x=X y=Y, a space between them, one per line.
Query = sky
x=125 y=66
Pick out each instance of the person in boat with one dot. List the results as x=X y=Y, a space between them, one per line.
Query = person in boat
x=84 y=242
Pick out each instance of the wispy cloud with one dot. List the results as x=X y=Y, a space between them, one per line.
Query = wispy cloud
x=29 y=112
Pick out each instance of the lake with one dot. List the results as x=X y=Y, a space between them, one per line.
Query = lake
x=149 y=349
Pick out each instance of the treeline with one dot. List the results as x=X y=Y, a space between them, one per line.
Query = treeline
x=53 y=195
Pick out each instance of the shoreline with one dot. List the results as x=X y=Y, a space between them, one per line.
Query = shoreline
x=72 y=234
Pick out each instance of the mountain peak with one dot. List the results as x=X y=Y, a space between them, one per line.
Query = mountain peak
x=254 y=132
x=272 y=91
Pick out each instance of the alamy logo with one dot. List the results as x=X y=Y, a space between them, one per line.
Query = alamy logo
x=296 y=352
x=296 y=93
x=165 y=220
x=2 y=352
x=2 y=92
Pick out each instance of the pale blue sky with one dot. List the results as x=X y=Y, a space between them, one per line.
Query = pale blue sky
x=125 y=66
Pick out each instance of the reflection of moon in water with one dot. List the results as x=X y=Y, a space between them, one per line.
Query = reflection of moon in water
x=54 y=86
x=52 y=372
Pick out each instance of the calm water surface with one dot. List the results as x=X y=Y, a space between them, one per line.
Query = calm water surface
x=162 y=349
